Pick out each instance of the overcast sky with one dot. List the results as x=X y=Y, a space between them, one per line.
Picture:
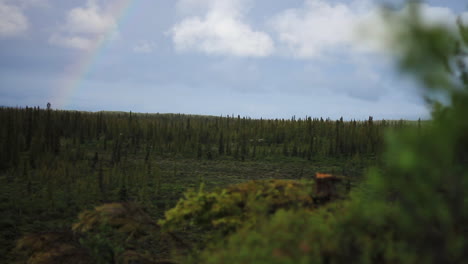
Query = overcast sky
x=263 y=58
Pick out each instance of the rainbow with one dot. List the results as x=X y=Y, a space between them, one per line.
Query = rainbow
x=77 y=71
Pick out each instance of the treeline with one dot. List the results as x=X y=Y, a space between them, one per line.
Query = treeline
x=33 y=132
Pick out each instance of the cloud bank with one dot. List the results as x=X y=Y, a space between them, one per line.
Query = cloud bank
x=219 y=30
x=316 y=29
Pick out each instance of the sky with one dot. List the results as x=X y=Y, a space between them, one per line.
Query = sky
x=263 y=58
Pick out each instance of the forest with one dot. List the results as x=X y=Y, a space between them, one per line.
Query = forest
x=57 y=163
x=116 y=187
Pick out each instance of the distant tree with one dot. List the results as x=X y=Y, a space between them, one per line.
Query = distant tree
x=221 y=144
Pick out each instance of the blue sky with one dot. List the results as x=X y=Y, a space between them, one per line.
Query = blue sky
x=264 y=58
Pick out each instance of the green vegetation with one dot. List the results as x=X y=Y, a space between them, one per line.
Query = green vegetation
x=225 y=211
x=255 y=199
x=54 y=164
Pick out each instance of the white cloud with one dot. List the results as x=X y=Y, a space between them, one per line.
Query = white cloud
x=85 y=27
x=89 y=20
x=144 y=47
x=315 y=28
x=321 y=27
x=219 y=30
x=12 y=20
